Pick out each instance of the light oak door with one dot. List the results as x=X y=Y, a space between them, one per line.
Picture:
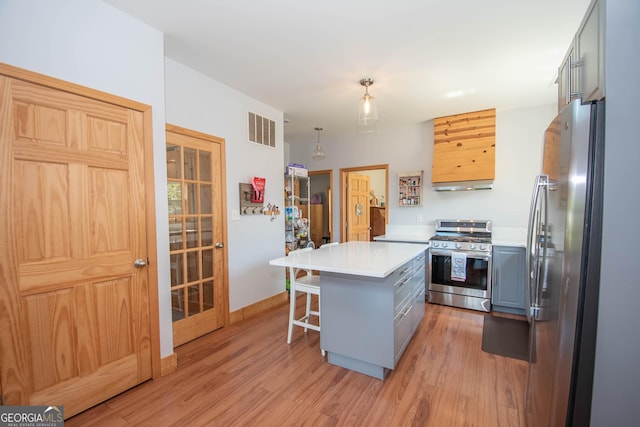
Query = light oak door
x=74 y=309
x=195 y=184
x=358 y=227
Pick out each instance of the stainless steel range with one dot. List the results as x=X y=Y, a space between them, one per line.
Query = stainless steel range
x=460 y=264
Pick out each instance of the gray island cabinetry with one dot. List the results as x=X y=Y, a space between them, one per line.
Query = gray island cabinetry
x=372 y=297
x=368 y=322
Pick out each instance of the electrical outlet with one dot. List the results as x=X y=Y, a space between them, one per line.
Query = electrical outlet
x=235 y=214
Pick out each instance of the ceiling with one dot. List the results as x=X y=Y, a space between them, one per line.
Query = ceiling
x=428 y=58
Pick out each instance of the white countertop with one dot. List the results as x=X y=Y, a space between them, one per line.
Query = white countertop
x=402 y=238
x=509 y=236
x=406 y=233
x=500 y=236
x=373 y=259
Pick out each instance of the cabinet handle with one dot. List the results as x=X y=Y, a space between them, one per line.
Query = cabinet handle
x=407 y=310
x=567 y=92
x=569 y=66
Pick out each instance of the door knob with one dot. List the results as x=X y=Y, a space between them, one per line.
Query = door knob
x=140 y=263
x=219 y=245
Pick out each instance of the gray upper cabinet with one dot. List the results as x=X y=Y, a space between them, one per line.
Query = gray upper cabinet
x=567 y=79
x=581 y=74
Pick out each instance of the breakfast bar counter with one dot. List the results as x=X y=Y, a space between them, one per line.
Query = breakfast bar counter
x=372 y=297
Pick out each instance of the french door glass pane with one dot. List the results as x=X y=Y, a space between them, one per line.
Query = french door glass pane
x=191 y=202
x=192 y=232
x=192 y=266
x=194 y=299
x=205 y=166
x=177 y=304
x=207 y=231
x=174 y=196
x=173 y=162
x=205 y=199
x=177 y=277
x=190 y=164
x=175 y=234
x=207 y=295
x=207 y=263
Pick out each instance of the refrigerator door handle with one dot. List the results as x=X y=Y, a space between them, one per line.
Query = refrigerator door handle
x=541 y=181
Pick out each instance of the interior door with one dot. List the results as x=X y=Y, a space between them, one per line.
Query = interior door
x=74 y=286
x=195 y=175
x=358 y=226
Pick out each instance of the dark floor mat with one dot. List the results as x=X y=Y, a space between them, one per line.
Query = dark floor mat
x=505 y=337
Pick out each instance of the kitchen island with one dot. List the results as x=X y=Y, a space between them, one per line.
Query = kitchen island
x=372 y=297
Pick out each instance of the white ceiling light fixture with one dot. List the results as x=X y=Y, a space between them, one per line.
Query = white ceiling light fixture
x=368 y=111
x=318 y=153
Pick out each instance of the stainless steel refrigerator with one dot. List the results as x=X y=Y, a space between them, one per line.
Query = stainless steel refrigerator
x=563 y=256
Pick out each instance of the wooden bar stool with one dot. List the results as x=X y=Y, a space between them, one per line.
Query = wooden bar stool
x=309 y=284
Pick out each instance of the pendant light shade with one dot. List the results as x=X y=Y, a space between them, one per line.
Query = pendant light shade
x=318 y=153
x=368 y=109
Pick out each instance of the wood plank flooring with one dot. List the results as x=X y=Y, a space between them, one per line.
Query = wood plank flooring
x=247 y=375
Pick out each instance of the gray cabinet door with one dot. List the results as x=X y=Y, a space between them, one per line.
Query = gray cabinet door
x=509 y=279
x=581 y=74
x=567 y=79
x=590 y=54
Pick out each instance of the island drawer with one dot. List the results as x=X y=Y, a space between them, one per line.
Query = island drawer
x=402 y=287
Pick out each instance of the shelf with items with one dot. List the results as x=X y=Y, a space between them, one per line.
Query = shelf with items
x=296 y=211
x=410 y=188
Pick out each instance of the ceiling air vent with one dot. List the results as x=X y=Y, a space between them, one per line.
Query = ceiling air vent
x=262 y=130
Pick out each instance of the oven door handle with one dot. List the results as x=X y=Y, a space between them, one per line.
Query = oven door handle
x=485 y=256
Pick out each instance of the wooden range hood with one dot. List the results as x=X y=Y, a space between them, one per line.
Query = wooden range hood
x=464 y=151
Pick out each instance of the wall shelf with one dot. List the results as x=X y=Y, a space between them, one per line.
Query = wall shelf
x=410 y=188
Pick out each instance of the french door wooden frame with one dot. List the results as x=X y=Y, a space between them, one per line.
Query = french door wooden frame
x=210 y=311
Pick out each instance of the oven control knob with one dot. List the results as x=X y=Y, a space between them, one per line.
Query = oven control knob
x=458 y=245
x=472 y=246
x=483 y=247
x=445 y=244
x=435 y=244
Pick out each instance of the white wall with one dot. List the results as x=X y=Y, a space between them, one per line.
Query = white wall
x=519 y=137
x=377 y=183
x=93 y=44
x=197 y=102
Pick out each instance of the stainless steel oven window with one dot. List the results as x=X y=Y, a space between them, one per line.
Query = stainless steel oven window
x=478 y=270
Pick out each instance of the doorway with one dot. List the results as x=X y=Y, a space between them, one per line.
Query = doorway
x=322 y=195
x=379 y=191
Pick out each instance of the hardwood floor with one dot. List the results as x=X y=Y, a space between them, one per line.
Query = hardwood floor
x=246 y=374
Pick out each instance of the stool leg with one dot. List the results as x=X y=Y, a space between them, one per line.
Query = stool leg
x=308 y=312
x=320 y=324
x=292 y=312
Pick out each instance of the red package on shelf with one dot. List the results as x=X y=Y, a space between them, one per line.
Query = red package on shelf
x=258 y=184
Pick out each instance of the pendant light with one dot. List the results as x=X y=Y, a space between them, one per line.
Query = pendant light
x=318 y=153
x=368 y=111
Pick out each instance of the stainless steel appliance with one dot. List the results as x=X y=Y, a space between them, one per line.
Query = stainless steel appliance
x=460 y=264
x=563 y=255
